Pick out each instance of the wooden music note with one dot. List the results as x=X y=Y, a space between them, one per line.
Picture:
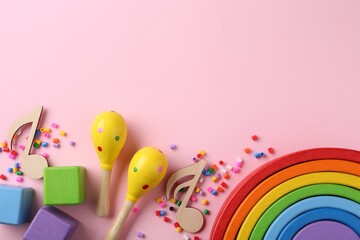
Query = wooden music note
x=190 y=219
x=31 y=164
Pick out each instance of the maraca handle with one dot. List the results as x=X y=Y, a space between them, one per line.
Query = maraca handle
x=103 y=202
x=123 y=214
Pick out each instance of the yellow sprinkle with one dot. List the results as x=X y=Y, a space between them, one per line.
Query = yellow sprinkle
x=214 y=179
x=179 y=229
x=62 y=133
x=205 y=202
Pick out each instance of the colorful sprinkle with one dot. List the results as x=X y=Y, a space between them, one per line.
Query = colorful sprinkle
x=135 y=210
x=140 y=235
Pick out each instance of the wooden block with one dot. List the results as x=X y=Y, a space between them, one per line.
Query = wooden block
x=64 y=185
x=223 y=218
x=15 y=204
x=296 y=170
x=319 y=214
x=51 y=223
x=269 y=220
x=307 y=205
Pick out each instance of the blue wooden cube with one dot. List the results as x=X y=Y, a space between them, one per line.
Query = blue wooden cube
x=15 y=204
x=51 y=223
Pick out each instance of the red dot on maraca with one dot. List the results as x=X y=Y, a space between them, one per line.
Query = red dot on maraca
x=145 y=186
x=99 y=148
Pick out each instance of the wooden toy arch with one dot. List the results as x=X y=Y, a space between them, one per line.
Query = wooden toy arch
x=253 y=199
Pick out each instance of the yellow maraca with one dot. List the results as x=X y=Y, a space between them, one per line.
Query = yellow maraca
x=146 y=170
x=108 y=133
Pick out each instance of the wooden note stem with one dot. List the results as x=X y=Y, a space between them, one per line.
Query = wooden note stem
x=118 y=224
x=103 y=203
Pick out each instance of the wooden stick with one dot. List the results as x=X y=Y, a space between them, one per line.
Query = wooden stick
x=115 y=230
x=103 y=203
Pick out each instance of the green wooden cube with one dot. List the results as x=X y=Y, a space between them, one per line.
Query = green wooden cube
x=64 y=185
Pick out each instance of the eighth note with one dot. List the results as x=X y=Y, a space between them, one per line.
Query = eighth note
x=31 y=164
x=190 y=219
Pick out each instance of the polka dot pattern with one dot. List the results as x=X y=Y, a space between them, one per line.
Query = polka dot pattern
x=99 y=149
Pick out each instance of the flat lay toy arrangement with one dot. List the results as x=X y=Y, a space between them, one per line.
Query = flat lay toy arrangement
x=298 y=196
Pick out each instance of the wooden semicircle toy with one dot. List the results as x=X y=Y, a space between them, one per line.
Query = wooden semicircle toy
x=257 y=198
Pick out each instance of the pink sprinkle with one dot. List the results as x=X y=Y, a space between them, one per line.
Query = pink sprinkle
x=72 y=143
x=54 y=125
x=135 y=210
x=163 y=204
x=22 y=147
x=12 y=156
x=45 y=155
x=19 y=179
x=47 y=135
x=209 y=189
x=236 y=170
x=193 y=198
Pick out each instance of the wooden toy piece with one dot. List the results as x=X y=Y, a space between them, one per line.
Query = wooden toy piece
x=288 y=186
x=64 y=185
x=319 y=214
x=108 y=133
x=15 y=204
x=51 y=223
x=326 y=230
x=307 y=205
x=296 y=170
x=31 y=164
x=146 y=170
x=190 y=219
x=223 y=218
x=267 y=221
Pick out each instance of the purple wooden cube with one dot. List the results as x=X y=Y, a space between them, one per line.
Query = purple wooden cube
x=51 y=223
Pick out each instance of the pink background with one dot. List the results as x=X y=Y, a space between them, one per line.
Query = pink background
x=200 y=74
